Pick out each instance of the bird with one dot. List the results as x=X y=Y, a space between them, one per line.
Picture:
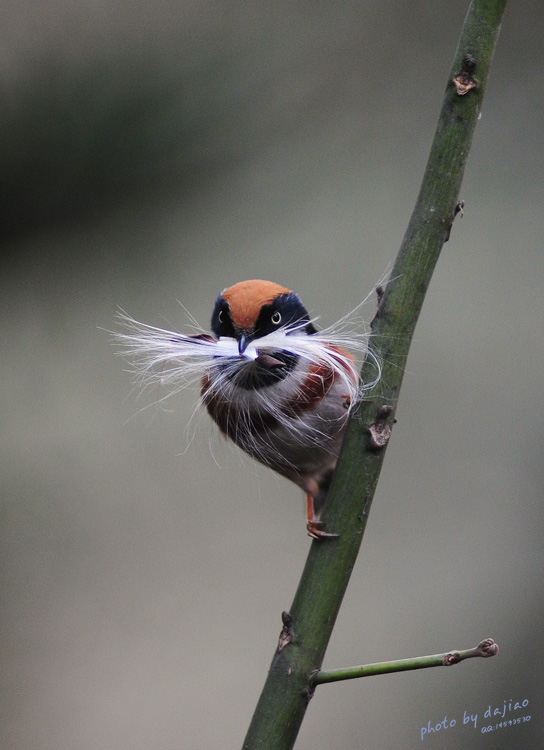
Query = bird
x=275 y=385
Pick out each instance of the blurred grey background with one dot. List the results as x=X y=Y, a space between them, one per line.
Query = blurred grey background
x=152 y=154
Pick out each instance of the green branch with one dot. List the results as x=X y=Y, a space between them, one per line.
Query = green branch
x=307 y=627
x=484 y=649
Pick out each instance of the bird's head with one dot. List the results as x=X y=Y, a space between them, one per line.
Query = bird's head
x=252 y=310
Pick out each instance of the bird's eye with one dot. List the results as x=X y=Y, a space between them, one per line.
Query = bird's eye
x=276 y=318
x=220 y=316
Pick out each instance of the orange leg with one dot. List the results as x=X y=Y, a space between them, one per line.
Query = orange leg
x=312 y=522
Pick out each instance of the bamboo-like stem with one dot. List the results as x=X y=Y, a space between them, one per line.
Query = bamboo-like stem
x=308 y=626
x=484 y=649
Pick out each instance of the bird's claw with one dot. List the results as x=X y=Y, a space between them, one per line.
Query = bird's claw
x=316 y=533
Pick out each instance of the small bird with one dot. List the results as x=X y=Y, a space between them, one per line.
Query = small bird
x=275 y=385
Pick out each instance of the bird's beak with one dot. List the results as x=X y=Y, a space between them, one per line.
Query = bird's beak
x=244 y=340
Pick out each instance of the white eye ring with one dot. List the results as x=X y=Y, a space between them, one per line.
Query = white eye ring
x=220 y=316
x=276 y=318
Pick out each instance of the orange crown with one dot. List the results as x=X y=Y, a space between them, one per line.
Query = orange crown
x=246 y=299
